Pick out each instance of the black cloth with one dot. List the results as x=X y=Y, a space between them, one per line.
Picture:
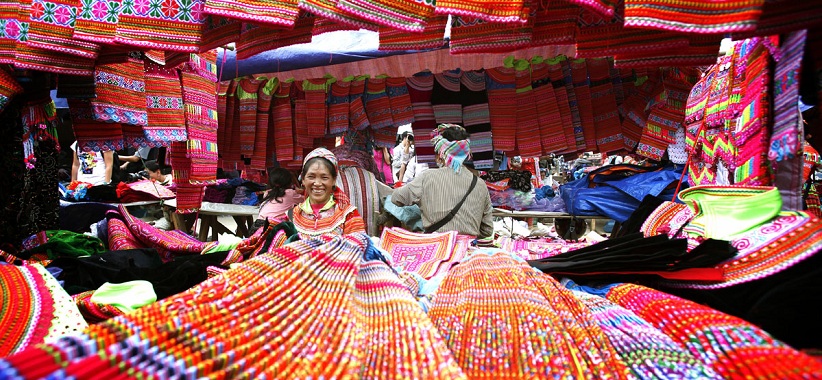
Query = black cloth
x=634 y=222
x=78 y=217
x=785 y=304
x=89 y=273
x=635 y=253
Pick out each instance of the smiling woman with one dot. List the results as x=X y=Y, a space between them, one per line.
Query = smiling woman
x=326 y=209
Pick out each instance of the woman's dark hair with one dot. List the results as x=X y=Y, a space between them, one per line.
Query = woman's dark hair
x=401 y=136
x=455 y=134
x=279 y=180
x=328 y=165
x=152 y=165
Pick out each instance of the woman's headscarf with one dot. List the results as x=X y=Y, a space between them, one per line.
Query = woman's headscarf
x=453 y=152
x=339 y=196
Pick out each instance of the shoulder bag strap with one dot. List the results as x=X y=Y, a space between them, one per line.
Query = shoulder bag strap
x=453 y=212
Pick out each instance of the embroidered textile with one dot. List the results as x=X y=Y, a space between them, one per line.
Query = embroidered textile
x=361 y=187
x=328 y=9
x=428 y=255
x=377 y=104
x=247 y=99
x=261 y=156
x=276 y=12
x=316 y=95
x=338 y=120
x=9 y=88
x=29 y=57
x=119 y=234
x=173 y=25
x=694 y=17
x=513 y=12
x=121 y=91
x=281 y=121
x=555 y=23
x=420 y=90
x=603 y=101
x=26 y=308
x=96 y=20
x=323 y=25
x=474 y=35
x=51 y=27
x=92 y=135
x=341 y=219
x=164 y=106
x=356 y=109
x=476 y=118
x=406 y=15
x=431 y=36
x=573 y=142
x=701 y=51
x=169 y=243
x=219 y=31
x=582 y=90
x=785 y=138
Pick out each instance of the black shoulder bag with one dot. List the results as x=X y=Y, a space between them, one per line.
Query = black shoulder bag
x=453 y=212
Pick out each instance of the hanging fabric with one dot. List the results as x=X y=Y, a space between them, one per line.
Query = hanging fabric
x=476 y=118
x=420 y=89
x=606 y=116
x=431 y=36
x=328 y=9
x=270 y=12
x=356 y=109
x=548 y=114
x=405 y=15
x=338 y=101
x=51 y=27
x=702 y=17
x=176 y=26
x=247 y=99
x=164 y=106
x=121 y=90
x=261 y=156
x=786 y=140
x=502 y=107
x=316 y=96
x=282 y=124
x=554 y=68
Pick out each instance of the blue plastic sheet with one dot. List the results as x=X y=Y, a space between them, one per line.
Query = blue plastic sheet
x=618 y=198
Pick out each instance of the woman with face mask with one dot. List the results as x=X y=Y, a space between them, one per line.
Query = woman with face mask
x=451 y=198
x=326 y=209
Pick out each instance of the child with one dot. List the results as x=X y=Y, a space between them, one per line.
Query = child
x=280 y=197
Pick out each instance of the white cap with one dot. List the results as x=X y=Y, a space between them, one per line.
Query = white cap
x=405 y=128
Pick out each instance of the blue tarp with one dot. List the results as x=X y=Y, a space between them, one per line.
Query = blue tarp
x=618 y=198
x=326 y=49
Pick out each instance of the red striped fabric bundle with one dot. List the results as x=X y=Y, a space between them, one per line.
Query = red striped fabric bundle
x=282 y=123
x=302 y=139
x=176 y=25
x=614 y=39
x=281 y=13
x=548 y=115
x=323 y=25
x=231 y=149
x=377 y=105
x=555 y=23
x=219 y=31
x=189 y=198
x=694 y=16
x=701 y=51
x=222 y=90
x=502 y=107
x=495 y=11
x=582 y=89
x=528 y=137
x=328 y=9
x=406 y=15
x=402 y=112
x=338 y=107
x=784 y=16
x=431 y=37
x=316 y=96
x=473 y=35
x=385 y=137
x=476 y=118
x=51 y=27
x=178 y=158
x=420 y=88
x=356 y=109
x=256 y=38
x=25 y=56
x=573 y=105
x=199 y=79
x=265 y=95
x=121 y=90
x=9 y=88
x=247 y=101
x=606 y=116
x=91 y=134
x=554 y=67
x=631 y=134
x=164 y=106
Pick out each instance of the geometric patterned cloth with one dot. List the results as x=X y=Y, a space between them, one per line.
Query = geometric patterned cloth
x=427 y=255
x=26 y=308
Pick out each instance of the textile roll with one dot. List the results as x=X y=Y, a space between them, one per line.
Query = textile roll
x=274 y=12
x=406 y=15
x=338 y=101
x=328 y=9
x=219 y=31
x=356 y=109
x=548 y=115
x=700 y=17
x=473 y=35
x=9 y=88
x=247 y=99
x=26 y=308
x=261 y=156
x=302 y=140
x=176 y=26
x=377 y=104
x=91 y=134
x=785 y=138
x=431 y=36
x=555 y=24
x=316 y=96
x=51 y=27
x=554 y=67
x=516 y=11
x=529 y=138
x=121 y=91
x=510 y=289
x=445 y=97
x=701 y=51
x=282 y=124
x=582 y=89
x=164 y=106
x=323 y=25
x=745 y=348
x=402 y=112
x=420 y=89
x=502 y=107
x=476 y=118
x=606 y=116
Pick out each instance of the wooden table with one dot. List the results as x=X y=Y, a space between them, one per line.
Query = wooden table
x=209 y=212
